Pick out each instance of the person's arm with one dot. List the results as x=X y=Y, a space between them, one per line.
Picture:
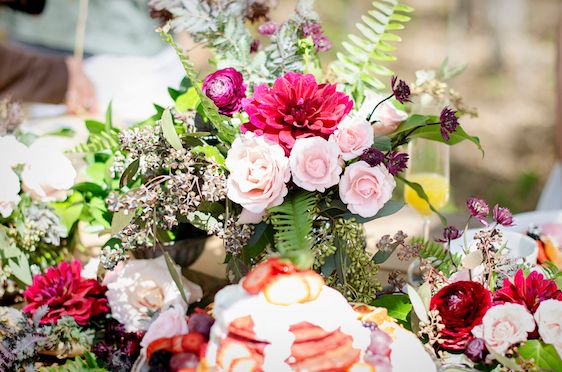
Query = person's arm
x=559 y=88
x=26 y=6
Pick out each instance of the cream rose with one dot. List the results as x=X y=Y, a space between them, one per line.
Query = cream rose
x=366 y=189
x=12 y=151
x=259 y=172
x=315 y=163
x=549 y=320
x=9 y=191
x=353 y=136
x=171 y=322
x=47 y=175
x=144 y=287
x=504 y=325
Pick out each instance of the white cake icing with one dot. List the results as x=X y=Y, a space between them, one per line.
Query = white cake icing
x=329 y=311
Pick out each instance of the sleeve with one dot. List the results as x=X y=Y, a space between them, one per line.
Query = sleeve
x=32 y=77
x=26 y=6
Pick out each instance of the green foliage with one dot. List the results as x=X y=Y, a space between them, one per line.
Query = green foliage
x=86 y=363
x=398 y=306
x=102 y=136
x=292 y=222
x=360 y=65
x=438 y=255
x=544 y=356
x=67 y=337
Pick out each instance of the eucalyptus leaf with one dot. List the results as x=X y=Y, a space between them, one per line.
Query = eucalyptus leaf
x=129 y=173
x=176 y=277
x=20 y=269
x=120 y=220
x=417 y=304
x=169 y=130
x=8 y=248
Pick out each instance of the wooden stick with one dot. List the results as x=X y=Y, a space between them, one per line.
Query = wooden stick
x=80 y=34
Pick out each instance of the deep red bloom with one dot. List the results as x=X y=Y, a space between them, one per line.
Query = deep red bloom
x=449 y=122
x=461 y=306
x=530 y=291
x=296 y=106
x=66 y=293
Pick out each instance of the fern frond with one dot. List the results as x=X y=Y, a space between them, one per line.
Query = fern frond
x=437 y=254
x=360 y=65
x=292 y=222
x=98 y=142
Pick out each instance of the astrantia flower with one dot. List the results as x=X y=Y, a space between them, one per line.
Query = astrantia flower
x=314 y=30
x=401 y=90
x=530 y=291
x=449 y=233
x=296 y=106
x=372 y=156
x=267 y=29
x=66 y=293
x=478 y=209
x=502 y=216
x=226 y=89
x=449 y=122
x=461 y=306
x=396 y=162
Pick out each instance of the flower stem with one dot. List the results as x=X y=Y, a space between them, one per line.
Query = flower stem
x=378 y=104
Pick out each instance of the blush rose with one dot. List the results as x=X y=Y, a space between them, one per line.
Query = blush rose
x=353 y=136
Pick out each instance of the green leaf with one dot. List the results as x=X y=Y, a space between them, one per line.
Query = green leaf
x=421 y=193
x=211 y=153
x=418 y=304
x=91 y=188
x=261 y=238
x=69 y=210
x=382 y=143
x=129 y=173
x=169 y=130
x=390 y=207
x=20 y=269
x=413 y=122
x=544 y=355
x=175 y=275
x=236 y=269
x=109 y=117
x=188 y=101
x=120 y=220
x=397 y=305
x=201 y=220
x=8 y=247
x=94 y=126
x=63 y=132
x=433 y=133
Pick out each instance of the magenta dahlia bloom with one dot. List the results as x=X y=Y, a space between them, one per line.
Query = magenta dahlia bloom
x=66 y=293
x=295 y=106
x=226 y=89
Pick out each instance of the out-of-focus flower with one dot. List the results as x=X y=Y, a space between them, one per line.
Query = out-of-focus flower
x=449 y=233
x=476 y=350
x=372 y=156
x=315 y=163
x=171 y=322
x=478 y=209
x=226 y=89
x=12 y=152
x=255 y=46
x=401 y=90
x=503 y=326
x=144 y=287
x=366 y=189
x=549 y=321
x=448 y=121
x=396 y=162
x=530 y=291
x=472 y=260
x=66 y=293
x=314 y=30
x=295 y=107
x=48 y=174
x=353 y=136
x=259 y=172
x=461 y=306
x=9 y=192
x=267 y=29
x=502 y=215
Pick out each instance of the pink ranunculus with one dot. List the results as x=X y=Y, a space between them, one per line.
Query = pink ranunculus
x=387 y=117
x=295 y=107
x=259 y=172
x=315 y=163
x=226 y=89
x=171 y=322
x=549 y=321
x=366 y=189
x=354 y=135
x=504 y=325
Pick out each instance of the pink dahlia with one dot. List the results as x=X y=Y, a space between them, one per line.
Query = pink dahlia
x=529 y=292
x=295 y=107
x=66 y=293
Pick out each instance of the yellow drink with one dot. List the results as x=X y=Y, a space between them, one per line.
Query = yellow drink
x=435 y=186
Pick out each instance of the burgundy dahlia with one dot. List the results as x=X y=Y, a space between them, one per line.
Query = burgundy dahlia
x=401 y=90
x=449 y=122
x=502 y=216
x=66 y=293
x=449 y=233
x=396 y=162
x=372 y=156
x=295 y=107
x=226 y=89
x=478 y=209
x=529 y=292
x=461 y=306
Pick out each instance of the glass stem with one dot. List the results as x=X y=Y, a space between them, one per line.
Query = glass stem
x=426 y=223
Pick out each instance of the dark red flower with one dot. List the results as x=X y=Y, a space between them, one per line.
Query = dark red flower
x=461 y=306
x=449 y=122
x=296 y=106
x=372 y=156
x=530 y=291
x=449 y=233
x=66 y=293
x=476 y=350
x=226 y=89
x=401 y=90
x=396 y=162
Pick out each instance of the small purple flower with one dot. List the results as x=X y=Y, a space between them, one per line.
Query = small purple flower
x=396 y=162
x=226 y=89
x=476 y=350
x=267 y=29
x=401 y=91
x=449 y=233
x=255 y=46
x=478 y=209
x=314 y=30
x=449 y=122
x=502 y=215
x=372 y=156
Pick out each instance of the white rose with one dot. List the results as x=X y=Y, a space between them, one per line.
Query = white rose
x=9 y=191
x=12 y=151
x=504 y=325
x=47 y=175
x=549 y=320
x=144 y=287
x=354 y=135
